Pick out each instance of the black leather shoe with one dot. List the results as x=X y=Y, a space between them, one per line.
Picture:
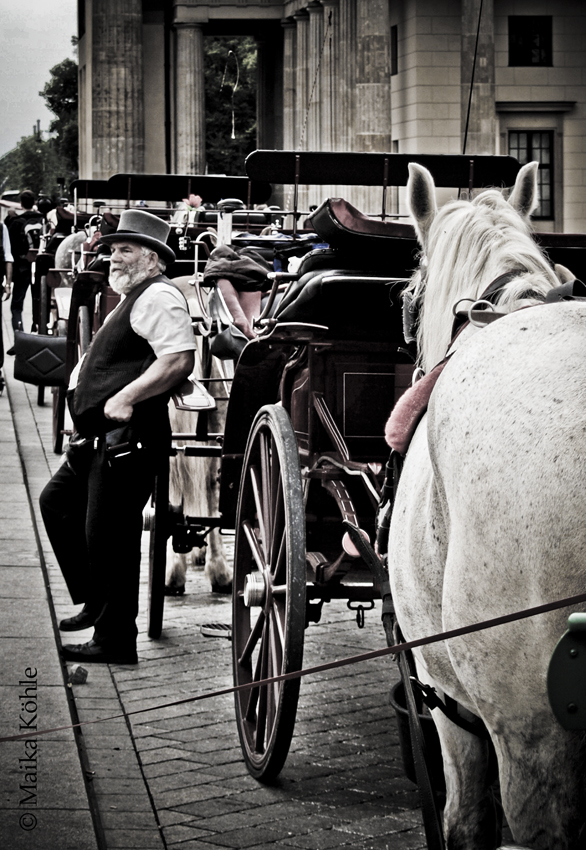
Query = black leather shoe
x=11 y=351
x=95 y=653
x=86 y=618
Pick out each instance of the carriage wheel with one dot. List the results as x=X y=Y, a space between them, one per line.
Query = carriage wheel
x=59 y=402
x=159 y=533
x=83 y=333
x=44 y=306
x=269 y=591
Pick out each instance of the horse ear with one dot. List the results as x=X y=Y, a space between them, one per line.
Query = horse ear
x=524 y=198
x=421 y=199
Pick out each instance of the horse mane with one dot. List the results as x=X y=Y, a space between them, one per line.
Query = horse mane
x=470 y=244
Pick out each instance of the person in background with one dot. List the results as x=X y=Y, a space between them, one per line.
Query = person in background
x=6 y=263
x=25 y=234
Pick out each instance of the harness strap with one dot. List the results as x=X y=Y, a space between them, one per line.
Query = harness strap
x=429 y=806
x=450 y=709
x=574 y=290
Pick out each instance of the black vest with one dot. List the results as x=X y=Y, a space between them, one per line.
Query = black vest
x=116 y=357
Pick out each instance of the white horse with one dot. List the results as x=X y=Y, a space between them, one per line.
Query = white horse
x=194 y=481
x=70 y=245
x=489 y=515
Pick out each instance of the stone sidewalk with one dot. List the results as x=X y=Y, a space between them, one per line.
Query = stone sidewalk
x=175 y=777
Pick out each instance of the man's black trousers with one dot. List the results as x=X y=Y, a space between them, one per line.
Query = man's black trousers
x=92 y=510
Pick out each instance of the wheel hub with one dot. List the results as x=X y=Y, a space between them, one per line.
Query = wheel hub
x=254 y=590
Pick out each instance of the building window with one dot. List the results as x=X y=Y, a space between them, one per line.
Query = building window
x=394 y=51
x=530 y=41
x=528 y=146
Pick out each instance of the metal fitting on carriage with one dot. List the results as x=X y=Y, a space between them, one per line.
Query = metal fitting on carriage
x=254 y=590
x=360 y=609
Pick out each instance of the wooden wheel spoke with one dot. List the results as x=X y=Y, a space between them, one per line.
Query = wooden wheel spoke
x=253 y=639
x=275 y=665
x=279 y=564
x=254 y=546
x=258 y=501
x=278 y=520
x=266 y=456
x=279 y=625
x=261 y=714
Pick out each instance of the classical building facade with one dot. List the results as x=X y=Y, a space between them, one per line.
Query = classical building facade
x=355 y=75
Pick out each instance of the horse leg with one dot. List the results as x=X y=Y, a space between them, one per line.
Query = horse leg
x=542 y=787
x=217 y=569
x=175 y=572
x=471 y=819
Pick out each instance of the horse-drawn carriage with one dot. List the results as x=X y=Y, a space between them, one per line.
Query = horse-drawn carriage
x=303 y=461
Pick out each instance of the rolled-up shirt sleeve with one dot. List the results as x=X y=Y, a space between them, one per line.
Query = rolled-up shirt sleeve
x=160 y=316
x=6 y=243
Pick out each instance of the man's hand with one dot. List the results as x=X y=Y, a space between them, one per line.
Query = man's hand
x=118 y=408
x=166 y=372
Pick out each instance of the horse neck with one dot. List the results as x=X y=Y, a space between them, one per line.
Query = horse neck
x=446 y=285
x=470 y=245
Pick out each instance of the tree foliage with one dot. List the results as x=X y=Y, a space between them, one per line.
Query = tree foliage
x=61 y=97
x=230 y=86
x=36 y=163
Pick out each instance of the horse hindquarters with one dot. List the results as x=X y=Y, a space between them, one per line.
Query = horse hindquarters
x=507 y=441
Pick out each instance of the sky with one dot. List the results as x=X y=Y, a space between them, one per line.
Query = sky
x=35 y=35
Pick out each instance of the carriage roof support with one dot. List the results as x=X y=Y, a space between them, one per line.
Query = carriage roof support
x=377 y=169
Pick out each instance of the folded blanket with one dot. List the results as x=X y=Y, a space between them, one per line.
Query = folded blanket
x=245 y=268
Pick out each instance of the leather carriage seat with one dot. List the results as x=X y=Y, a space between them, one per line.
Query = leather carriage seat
x=353 y=286
x=354 y=305
x=65 y=220
x=337 y=222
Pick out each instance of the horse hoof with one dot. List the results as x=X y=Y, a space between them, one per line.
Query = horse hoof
x=221 y=588
x=174 y=591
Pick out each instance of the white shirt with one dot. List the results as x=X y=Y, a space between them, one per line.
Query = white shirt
x=160 y=316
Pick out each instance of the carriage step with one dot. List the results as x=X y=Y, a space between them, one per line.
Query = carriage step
x=222 y=630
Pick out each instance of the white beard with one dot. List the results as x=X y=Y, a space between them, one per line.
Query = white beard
x=124 y=281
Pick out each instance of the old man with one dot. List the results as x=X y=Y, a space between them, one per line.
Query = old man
x=92 y=507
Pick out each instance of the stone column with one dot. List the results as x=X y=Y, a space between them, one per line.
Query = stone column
x=190 y=128
x=347 y=76
x=302 y=91
x=331 y=136
x=289 y=82
x=269 y=101
x=482 y=126
x=117 y=88
x=315 y=70
x=373 y=81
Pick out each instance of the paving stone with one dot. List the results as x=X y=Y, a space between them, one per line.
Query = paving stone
x=54 y=830
x=133 y=839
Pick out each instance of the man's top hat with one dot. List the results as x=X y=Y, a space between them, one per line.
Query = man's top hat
x=144 y=228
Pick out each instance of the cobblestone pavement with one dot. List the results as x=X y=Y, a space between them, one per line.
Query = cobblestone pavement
x=175 y=777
